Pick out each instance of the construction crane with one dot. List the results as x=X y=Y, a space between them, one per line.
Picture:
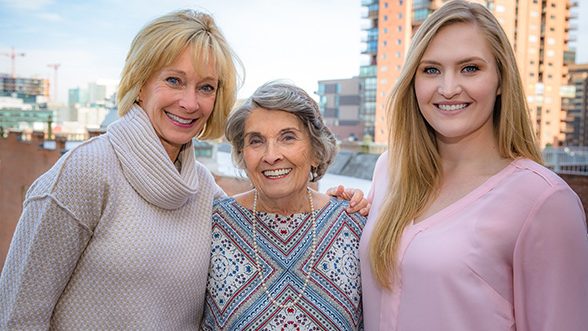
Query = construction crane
x=12 y=55
x=55 y=66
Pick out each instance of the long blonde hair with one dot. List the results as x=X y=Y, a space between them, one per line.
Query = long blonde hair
x=161 y=41
x=414 y=160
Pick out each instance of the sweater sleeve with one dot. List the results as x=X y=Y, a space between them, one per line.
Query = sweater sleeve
x=60 y=211
x=550 y=265
x=44 y=251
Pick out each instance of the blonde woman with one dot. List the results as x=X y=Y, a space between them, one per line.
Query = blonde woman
x=467 y=230
x=116 y=235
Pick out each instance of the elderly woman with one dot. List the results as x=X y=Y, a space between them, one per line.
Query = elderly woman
x=283 y=255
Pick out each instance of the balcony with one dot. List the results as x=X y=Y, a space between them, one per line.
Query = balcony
x=371 y=48
x=368 y=2
x=370 y=14
x=370 y=70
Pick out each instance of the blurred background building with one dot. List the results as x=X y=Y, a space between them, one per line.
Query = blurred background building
x=539 y=31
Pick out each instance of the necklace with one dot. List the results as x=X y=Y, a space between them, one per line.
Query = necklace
x=258 y=265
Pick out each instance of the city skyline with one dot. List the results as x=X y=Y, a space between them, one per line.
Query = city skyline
x=303 y=41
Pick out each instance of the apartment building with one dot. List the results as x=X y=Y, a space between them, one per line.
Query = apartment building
x=339 y=102
x=575 y=106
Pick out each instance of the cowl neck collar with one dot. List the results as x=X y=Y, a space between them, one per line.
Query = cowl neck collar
x=147 y=166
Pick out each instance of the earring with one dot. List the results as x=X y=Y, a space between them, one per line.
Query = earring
x=313 y=175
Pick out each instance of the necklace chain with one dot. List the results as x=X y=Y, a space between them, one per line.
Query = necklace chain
x=257 y=258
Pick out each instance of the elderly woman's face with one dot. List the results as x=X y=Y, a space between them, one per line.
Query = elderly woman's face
x=179 y=101
x=277 y=153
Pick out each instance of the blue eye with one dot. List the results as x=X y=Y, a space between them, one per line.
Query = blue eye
x=430 y=70
x=174 y=81
x=471 y=68
x=208 y=89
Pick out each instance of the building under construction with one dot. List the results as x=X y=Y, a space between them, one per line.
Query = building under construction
x=27 y=89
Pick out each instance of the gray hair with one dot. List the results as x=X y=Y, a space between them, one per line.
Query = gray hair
x=286 y=97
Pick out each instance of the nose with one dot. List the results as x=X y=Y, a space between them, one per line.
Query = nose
x=272 y=153
x=189 y=100
x=449 y=86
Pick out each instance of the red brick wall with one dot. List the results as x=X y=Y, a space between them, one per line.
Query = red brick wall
x=21 y=162
x=580 y=185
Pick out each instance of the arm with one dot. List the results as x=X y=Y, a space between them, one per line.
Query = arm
x=550 y=265
x=46 y=246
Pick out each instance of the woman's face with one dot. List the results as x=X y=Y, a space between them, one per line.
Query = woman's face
x=277 y=153
x=456 y=84
x=179 y=101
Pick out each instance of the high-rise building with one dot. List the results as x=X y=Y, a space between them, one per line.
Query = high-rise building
x=339 y=102
x=575 y=105
x=539 y=31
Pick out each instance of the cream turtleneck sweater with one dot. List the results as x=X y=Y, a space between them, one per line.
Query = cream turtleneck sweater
x=112 y=237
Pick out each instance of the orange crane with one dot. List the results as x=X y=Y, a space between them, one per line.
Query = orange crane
x=12 y=55
x=55 y=66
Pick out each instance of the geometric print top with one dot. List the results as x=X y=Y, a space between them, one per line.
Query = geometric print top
x=235 y=298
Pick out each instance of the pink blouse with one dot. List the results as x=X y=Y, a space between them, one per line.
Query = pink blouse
x=510 y=255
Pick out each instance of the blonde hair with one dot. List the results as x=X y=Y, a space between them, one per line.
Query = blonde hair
x=414 y=160
x=161 y=41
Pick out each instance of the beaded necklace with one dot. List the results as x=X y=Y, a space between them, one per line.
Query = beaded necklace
x=258 y=265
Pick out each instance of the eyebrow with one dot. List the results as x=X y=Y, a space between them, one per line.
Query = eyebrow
x=466 y=60
x=183 y=73
x=170 y=70
x=281 y=131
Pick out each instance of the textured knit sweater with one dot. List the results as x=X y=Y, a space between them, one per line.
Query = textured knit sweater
x=112 y=237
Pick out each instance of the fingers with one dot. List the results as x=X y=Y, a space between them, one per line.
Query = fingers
x=356 y=197
x=366 y=210
x=337 y=192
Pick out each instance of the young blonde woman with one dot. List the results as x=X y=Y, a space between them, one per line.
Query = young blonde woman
x=467 y=230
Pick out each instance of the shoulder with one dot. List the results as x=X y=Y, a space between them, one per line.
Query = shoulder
x=222 y=205
x=382 y=163
x=223 y=201
x=535 y=174
x=527 y=183
x=81 y=168
x=547 y=196
x=80 y=180
x=335 y=211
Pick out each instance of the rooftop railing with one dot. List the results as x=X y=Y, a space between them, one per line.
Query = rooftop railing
x=567 y=160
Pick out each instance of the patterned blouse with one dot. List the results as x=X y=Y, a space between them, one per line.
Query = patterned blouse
x=235 y=298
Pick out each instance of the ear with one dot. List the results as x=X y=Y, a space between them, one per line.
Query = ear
x=499 y=90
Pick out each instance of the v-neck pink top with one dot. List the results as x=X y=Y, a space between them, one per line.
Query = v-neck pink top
x=510 y=255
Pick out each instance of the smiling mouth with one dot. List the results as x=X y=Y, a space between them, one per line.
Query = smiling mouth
x=276 y=173
x=453 y=107
x=180 y=120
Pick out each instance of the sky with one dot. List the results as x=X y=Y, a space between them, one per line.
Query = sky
x=303 y=41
